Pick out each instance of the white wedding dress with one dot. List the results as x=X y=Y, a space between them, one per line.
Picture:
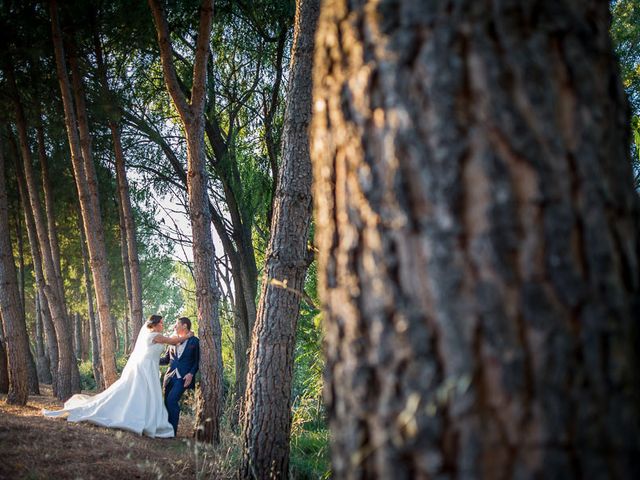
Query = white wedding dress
x=134 y=402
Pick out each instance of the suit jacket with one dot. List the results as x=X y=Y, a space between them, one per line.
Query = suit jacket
x=187 y=363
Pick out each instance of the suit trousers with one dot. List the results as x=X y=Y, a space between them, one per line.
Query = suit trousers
x=173 y=391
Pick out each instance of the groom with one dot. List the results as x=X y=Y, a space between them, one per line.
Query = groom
x=183 y=363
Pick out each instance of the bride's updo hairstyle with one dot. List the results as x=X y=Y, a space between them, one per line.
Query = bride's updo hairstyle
x=153 y=321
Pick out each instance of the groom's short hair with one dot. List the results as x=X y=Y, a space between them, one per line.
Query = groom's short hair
x=186 y=322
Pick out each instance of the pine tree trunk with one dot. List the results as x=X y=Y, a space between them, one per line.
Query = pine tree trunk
x=478 y=234
x=86 y=339
x=32 y=370
x=34 y=365
x=133 y=282
x=49 y=209
x=241 y=342
x=93 y=328
x=21 y=279
x=124 y=253
x=4 y=373
x=50 y=364
x=51 y=341
x=42 y=362
x=78 y=336
x=15 y=332
x=267 y=407
x=86 y=183
x=94 y=234
x=49 y=327
x=34 y=386
x=68 y=376
x=207 y=292
x=133 y=264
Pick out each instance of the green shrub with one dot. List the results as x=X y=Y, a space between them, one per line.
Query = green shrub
x=87 y=380
x=310 y=457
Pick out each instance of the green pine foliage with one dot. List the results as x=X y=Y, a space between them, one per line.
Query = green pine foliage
x=625 y=32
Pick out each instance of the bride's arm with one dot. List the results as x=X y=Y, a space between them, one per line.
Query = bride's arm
x=175 y=340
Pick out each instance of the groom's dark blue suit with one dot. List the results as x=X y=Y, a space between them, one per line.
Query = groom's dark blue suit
x=174 y=387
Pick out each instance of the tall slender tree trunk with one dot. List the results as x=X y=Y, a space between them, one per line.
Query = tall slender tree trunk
x=42 y=362
x=267 y=407
x=86 y=183
x=479 y=241
x=78 y=336
x=86 y=339
x=241 y=342
x=117 y=334
x=68 y=375
x=124 y=253
x=207 y=292
x=127 y=336
x=15 y=331
x=133 y=263
x=21 y=279
x=32 y=370
x=48 y=324
x=93 y=328
x=207 y=295
x=4 y=372
x=49 y=208
x=34 y=386
x=127 y=225
x=49 y=328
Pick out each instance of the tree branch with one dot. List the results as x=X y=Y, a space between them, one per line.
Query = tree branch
x=166 y=56
x=198 y=92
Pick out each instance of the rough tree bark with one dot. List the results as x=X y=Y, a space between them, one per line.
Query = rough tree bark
x=4 y=373
x=68 y=380
x=93 y=328
x=34 y=386
x=47 y=320
x=48 y=203
x=126 y=271
x=32 y=370
x=77 y=332
x=127 y=226
x=207 y=294
x=15 y=330
x=479 y=241
x=86 y=182
x=42 y=361
x=86 y=339
x=133 y=263
x=21 y=276
x=267 y=406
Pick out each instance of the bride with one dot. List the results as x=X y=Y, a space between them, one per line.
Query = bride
x=134 y=402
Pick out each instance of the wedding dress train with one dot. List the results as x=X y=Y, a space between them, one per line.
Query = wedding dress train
x=134 y=402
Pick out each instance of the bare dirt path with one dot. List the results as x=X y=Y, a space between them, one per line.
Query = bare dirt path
x=34 y=447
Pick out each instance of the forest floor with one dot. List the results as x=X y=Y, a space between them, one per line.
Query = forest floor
x=35 y=447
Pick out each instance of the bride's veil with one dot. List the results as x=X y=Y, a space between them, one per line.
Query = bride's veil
x=141 y=346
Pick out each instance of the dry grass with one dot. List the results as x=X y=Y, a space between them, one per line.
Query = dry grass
x=34 y=447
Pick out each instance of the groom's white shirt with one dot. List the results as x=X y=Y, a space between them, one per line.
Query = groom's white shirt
x=179 y=350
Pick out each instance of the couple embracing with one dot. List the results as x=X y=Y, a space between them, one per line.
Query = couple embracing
x=134 y=402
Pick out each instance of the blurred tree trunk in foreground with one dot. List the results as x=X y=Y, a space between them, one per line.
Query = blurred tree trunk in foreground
x=478 y=236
